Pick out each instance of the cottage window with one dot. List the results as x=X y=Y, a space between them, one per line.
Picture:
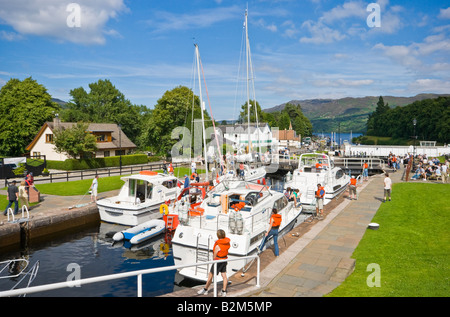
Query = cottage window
x=49 y=138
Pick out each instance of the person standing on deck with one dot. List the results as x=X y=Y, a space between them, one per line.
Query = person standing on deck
x=320 y=194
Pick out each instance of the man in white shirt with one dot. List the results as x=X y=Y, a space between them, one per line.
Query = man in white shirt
x=387 y=187
x=94 y=188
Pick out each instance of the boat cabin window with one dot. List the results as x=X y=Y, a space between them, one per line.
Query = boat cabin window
x=280 y=203
x=149 y=190
x=140 y=189
x=132 y=188
x=339 y=174
x=169 y=184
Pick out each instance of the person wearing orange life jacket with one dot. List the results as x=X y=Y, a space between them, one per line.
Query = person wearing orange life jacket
x=365 y=171
x=220 y=252
x=170 y=169
x=352 y=188
x=275 y=222
x=320 y=194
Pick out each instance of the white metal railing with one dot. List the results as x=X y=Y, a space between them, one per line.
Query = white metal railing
x=53 y=286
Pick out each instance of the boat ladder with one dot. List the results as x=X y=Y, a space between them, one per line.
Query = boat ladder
x=311 y=197
x=202 y=255
x=169 y=223
x=22 y=219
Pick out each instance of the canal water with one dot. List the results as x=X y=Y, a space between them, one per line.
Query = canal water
x=92 y=252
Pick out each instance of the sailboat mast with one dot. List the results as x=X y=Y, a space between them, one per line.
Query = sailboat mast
x=202 y=107
x=247 y=46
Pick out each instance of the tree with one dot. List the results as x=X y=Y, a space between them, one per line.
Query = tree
x=243 y=115
x=75 y=141
x=105 y=104
x=176 y=108
x=24 y=107
x=375 y=122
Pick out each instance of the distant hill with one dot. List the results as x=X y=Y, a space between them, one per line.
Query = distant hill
x=326 y=114
x=60 y=102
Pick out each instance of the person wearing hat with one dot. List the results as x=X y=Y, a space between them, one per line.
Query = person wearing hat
x=13 y=196
x=352 y=188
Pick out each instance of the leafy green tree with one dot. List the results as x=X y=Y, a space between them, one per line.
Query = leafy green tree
x=75 y=141
x=24 y=107
x=178 y=107
x=243 y=115
x=105 y=104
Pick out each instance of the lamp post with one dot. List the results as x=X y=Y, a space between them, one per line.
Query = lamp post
x=415 y=137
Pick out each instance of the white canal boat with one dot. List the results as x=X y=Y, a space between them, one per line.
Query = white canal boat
x=313 y=169
x=139 y=198
x=239 y=208
x=252 y=173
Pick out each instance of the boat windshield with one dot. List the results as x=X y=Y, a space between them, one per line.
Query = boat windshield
x=314 y=162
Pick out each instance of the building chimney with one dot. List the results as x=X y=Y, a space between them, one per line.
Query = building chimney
x=56 y=121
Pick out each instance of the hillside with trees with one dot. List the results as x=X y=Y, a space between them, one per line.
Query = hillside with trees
x=432 y=120
x=350 y=113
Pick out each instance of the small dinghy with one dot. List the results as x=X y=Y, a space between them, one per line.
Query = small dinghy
x=141 y=232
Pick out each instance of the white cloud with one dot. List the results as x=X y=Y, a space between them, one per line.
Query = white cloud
x=48 y=18
x=444 y=13
x=320 y=33
x=166 y=21
x=430 y=86
x=347 y=10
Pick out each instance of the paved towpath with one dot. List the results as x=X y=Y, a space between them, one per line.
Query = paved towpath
x=321 y=259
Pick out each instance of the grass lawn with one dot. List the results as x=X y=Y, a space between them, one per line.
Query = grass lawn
x=411 y=247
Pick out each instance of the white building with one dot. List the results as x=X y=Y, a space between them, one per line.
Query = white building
x=111 y=141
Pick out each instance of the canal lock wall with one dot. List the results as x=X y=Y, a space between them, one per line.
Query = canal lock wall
x=20 y=232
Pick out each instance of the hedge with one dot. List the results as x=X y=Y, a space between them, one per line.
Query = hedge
x=111 y=161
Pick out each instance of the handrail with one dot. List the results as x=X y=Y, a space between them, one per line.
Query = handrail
x=139 y=273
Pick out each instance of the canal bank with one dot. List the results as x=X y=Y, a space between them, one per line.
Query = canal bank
x=52 y=215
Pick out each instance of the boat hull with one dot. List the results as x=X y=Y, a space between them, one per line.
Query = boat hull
x=128 y=216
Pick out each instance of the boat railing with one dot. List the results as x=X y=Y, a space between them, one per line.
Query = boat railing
x=138 y=274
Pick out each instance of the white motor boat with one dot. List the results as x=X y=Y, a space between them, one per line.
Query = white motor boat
x=139 y=198
x=313 y=169
x=142 y=232
x=242 y=210
x=251 y=174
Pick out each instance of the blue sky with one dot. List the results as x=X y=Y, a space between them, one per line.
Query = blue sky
x=300 y=49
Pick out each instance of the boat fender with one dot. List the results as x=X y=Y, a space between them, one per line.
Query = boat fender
x=164 y=209
x=232 y=222
x=239 y=223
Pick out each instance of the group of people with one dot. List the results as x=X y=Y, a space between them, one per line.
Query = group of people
x=19 y=195
x=293 y=195
x=431 y=169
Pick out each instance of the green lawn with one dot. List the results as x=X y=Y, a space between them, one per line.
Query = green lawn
x=411 y=247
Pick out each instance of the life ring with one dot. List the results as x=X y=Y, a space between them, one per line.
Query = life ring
x=164 y=209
